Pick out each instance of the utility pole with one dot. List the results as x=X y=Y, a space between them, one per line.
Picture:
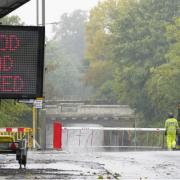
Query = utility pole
x=43 y=12
x=37 y=12
x=42 y=112
x=34 y=125
x=34 y=111
x=39 y=115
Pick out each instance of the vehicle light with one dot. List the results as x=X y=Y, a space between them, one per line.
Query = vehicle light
x=13 y=146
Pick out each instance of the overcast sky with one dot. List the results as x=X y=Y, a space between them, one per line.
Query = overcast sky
x=54 y=9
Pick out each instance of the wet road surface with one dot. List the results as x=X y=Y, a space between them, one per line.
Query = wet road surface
x=150 y=165
x=52 y=165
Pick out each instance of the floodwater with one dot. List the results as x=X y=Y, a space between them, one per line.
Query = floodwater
x=142 y=165
x=52 y=165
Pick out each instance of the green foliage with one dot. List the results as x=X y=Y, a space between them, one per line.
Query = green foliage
x=65 y=58
x=69 y=33
x=173 y=36
x=13 y=114
x=163 y=87
x=99 y=72
x=141 y=40
x=11 y=20
x=140 y=44
x=99 y=50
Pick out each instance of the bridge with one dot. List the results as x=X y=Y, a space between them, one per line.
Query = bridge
x=73 y=114
x=109 y=127
x=105 y=115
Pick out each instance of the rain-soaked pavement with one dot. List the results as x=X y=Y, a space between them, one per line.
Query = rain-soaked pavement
x=142 y=165
x=52 y=165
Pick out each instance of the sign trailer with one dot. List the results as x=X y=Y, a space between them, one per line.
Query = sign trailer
x=21 y=62
x=21 y=74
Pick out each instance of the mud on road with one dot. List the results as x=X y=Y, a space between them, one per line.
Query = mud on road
x=139 y=165
x=52 y=165
x=49 y=174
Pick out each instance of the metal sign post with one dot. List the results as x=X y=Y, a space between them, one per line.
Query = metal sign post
x=39 y=124
x=34 y=125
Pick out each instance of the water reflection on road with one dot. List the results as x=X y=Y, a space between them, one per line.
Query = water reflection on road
x=142 y=165
x=52 y=165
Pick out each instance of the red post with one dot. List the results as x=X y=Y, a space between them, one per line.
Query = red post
x=57 y=141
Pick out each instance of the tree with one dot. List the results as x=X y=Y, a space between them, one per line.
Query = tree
x=163 y=87
x=98 y=48
x=14 y=114
x=139 y=44
x=65 y=57
x=11 y=20
x=129 y=36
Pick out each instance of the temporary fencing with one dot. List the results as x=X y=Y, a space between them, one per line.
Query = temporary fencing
x=110 y=138
x=18 y=133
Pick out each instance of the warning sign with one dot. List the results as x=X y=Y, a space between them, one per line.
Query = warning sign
x=38 y=103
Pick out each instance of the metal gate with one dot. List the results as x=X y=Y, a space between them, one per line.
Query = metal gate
x=109 y=138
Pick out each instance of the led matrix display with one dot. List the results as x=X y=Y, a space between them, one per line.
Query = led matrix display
x=21 y=62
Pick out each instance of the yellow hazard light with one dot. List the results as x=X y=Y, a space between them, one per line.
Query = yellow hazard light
x=27 y=130
x=6 y=138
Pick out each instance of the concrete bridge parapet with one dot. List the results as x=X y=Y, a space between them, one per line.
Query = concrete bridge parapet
x=106 y=115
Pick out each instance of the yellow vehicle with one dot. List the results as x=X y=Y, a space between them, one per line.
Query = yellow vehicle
x=6 y=138
x=9 y=146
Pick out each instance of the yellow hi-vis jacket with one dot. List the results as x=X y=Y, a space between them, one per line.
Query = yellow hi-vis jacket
x=171 y=125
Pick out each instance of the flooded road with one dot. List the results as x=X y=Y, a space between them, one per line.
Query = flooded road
x=160 y=165
x=52 y=165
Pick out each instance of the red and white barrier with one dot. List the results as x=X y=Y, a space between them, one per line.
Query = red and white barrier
x=9 y=129
x=114 y=128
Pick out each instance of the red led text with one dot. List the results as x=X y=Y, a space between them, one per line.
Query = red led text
x=6 y=63
x=9 y=44
x=11 y=83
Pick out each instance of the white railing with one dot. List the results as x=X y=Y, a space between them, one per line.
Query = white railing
x=110 y=138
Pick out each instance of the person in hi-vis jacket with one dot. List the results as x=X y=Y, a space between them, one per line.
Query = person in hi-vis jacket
x=171 y=126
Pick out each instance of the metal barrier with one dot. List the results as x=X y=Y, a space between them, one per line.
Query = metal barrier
x=19 y=133
x=110 y=138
